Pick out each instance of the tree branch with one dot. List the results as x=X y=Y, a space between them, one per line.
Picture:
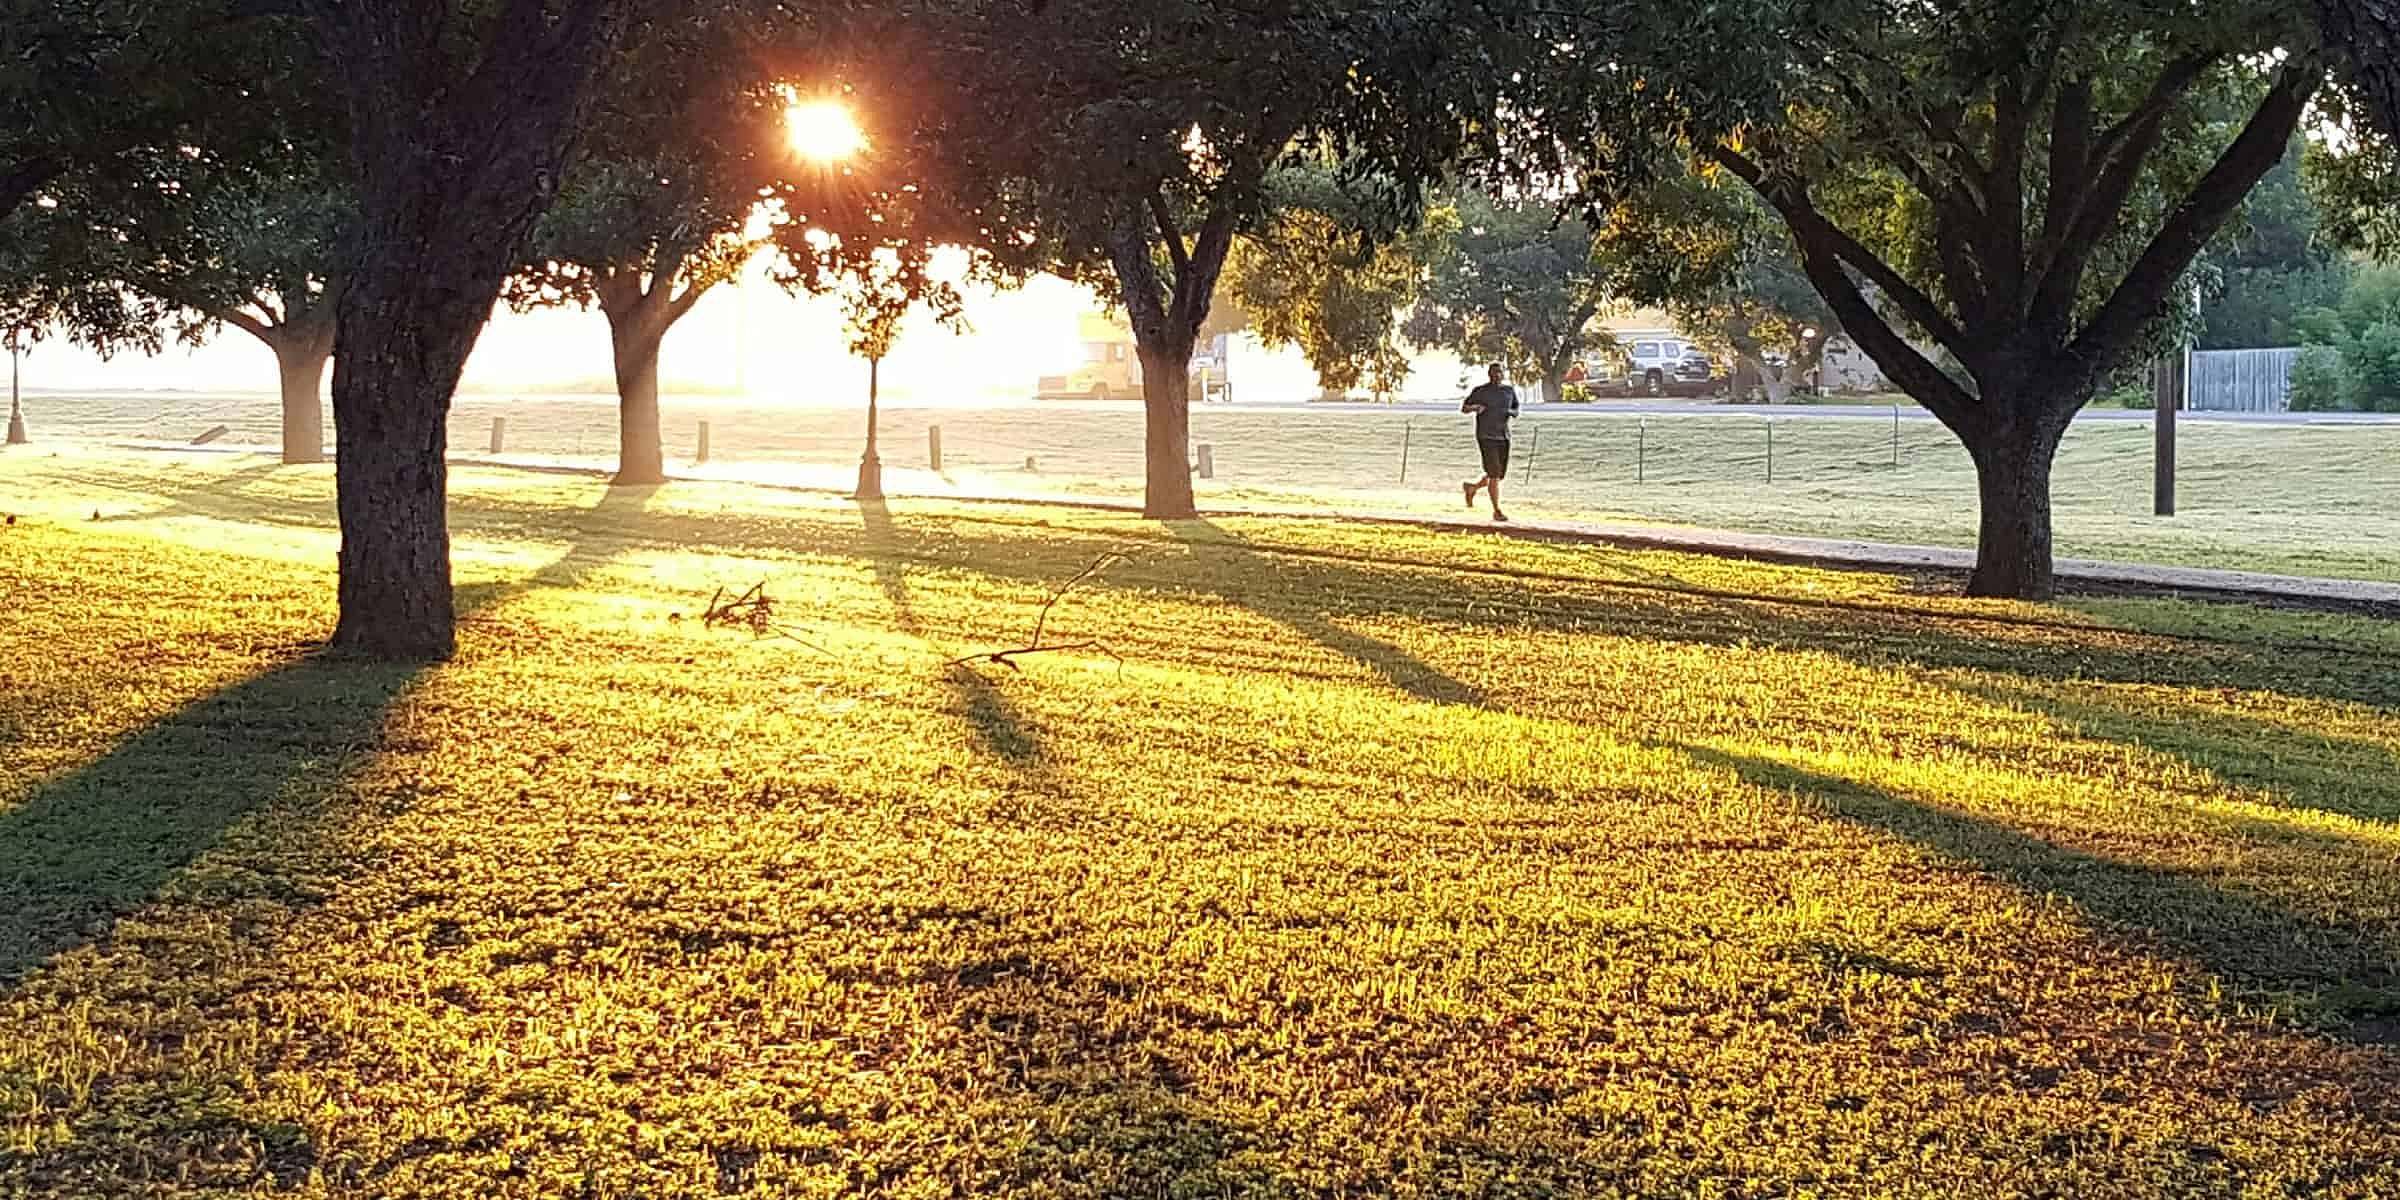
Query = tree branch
x=2113 y=169
x=1168 y=231
x=2212 y=202
x=1808 y=224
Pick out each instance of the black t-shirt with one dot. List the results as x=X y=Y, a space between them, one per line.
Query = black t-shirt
x=1499 y=403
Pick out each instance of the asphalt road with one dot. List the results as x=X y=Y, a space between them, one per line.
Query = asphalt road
x=1670 y=408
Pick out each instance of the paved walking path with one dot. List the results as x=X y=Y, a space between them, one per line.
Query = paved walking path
x=2074 y=574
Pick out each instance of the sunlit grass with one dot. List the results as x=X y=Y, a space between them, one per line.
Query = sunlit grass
x=1384 y=862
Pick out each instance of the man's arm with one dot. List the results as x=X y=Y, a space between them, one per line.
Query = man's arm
x=1469 y=405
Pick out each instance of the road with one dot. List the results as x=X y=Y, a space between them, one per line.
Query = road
x=1670 y=408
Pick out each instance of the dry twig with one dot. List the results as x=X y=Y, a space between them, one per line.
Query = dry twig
x=1041 y=623
x=753 y=610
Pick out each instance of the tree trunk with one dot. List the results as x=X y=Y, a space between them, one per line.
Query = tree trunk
x=1749 y=373
x=2365 y=37
x=301 y=358
x=1776 y=382
x=403 y=343
x=641 y=456
x=1167 y=424
x=2013 y=556
x=1554 y=385
x=870 y=464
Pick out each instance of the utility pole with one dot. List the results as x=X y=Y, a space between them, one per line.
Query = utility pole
x=16 y=404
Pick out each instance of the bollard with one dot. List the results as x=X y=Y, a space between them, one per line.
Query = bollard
x=1208 y=461
x=700 y=457
x=1406 y=433
x=499 y=433
x=1030 y=465
x=933 y=446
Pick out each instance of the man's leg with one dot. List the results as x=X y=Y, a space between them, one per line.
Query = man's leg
x=1494 y=488
x=1473 y=488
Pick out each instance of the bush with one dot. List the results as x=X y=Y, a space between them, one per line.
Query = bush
x=2320 y=381
x=2373 y=359
x=1576 y=393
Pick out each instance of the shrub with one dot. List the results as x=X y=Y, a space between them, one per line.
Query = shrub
x=2320 y=381
x=1575 y=393
x=2373 y=359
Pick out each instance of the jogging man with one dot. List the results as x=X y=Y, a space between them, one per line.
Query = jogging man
x=1493 y=405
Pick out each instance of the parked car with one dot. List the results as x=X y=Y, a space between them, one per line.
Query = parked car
x=1655 y=362
x=1696 y=368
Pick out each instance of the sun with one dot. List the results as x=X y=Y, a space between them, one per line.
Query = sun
x=824 y=131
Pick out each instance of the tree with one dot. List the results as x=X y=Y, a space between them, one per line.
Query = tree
x=877 y=294
x=462 y=118
x=1759 y=309
x=1308 y=278
x=86 y=85
x=2277 y=266
x=1518 y=284
x=685 y=137
x=265 y=253
x=1127 y=145
x=2024 y=185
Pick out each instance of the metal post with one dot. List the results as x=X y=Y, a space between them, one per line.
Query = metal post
x=700 y=458
x=870 y=466
x=1208 y=461
x=1770 y=449
x=1895 y=435
x=933 y=446
x=1531 y=455
x=16 y=403
x=1406 y=433
x=2167 y=383
x=1641 y=451
x=499 y=433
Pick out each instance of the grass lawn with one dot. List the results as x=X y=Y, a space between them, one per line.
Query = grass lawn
x=1374 y=862
x=2295 y=499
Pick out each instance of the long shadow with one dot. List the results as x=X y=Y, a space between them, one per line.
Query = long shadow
x=213 y=495
x=89 y=846
x=2348 y=976
x=1222 y=553
x=1866 y=633
x=996 y=722
x=2290 y=767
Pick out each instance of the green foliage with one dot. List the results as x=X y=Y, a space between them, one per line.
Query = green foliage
x=1519 y=284
x=1307 y=277
x=2278 y=265
x=2321 y=381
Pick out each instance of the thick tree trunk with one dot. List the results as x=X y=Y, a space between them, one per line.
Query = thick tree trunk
x=2013 y=556
x=403 y=344
x=1749 y=373
x=1167 y=424
x=300 y=359
x=1554 y=385
x=2365 y=37
x=641 y=456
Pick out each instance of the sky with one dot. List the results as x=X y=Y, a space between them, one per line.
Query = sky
x=750 y=337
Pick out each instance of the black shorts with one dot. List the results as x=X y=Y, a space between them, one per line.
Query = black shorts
x=1495 y=457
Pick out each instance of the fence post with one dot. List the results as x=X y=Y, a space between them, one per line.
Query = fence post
x=1533 y=454
x=499 y=433
x=933 y=446
x=1407 y=432
x=1208 y=461
x=1770 y=449
x=701 y=457
x=2167 y=382
x=1895 y=435
x=1641 y=451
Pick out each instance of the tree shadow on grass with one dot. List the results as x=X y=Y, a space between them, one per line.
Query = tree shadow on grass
x=2289 y=766
x=996 y=722
x=2343 y=975
x=1219 y=554
x=214 y=495
x=87 y=847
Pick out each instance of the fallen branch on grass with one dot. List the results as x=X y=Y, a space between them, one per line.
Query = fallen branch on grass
x=753 y=610
x=1041 y=623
